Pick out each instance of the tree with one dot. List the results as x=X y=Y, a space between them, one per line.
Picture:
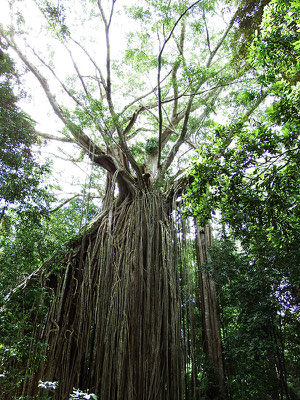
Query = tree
x=248 y=171
x=259 y=324
x=211 y=329
x=114 y=325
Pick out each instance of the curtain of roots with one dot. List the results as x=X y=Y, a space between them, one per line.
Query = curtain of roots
x=124 y=321
x=115 y=324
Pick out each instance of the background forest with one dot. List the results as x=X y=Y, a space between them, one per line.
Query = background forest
x=149 y=200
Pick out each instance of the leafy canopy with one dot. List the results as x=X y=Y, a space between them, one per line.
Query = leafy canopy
x=249 y=170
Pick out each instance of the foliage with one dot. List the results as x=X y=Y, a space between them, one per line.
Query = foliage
x=18 y=344
x=76 y=394
x=31 y=238
x=250 y=14
x=29 y=242
x=20 y=173
x=151 y=146
x=24 y=201
x=254 y=184
x=275 y=51
x=250 y=170
x=259 y=324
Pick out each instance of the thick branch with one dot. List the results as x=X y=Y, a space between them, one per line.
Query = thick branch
x=42 y=80
x=214 y=96
x=179 y=141
x=133 y=120
x=184 y=131
x=179 y=117
x=258 y=101
x=108 y=60
x=175 y=69
x=114 y=115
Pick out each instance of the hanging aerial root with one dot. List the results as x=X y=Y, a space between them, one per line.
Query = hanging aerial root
x=114 y=326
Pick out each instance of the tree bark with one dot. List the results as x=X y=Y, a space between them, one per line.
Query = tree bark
x=211 y=332
x=114 y=323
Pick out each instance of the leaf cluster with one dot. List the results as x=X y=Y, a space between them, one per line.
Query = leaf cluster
x=275 y=51
x=253 y=183
x=56 y=16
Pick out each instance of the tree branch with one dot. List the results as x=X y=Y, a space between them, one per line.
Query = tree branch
x=56 y=77
x=92 y=61
x=133 y=120
x=219 y=44
x=175 y=69
x=176 y=120
x=63 y=204
x=77 y=71
x=179 y=141
x=108 y=61
x=244 y=118
x=144 y=96
x=114 y=115
x=183 y=135
x=51 y=137
x=158 y=79
x=207 y=34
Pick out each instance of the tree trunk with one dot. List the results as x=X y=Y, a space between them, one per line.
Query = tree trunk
x=114 y=324
x=211 y=332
